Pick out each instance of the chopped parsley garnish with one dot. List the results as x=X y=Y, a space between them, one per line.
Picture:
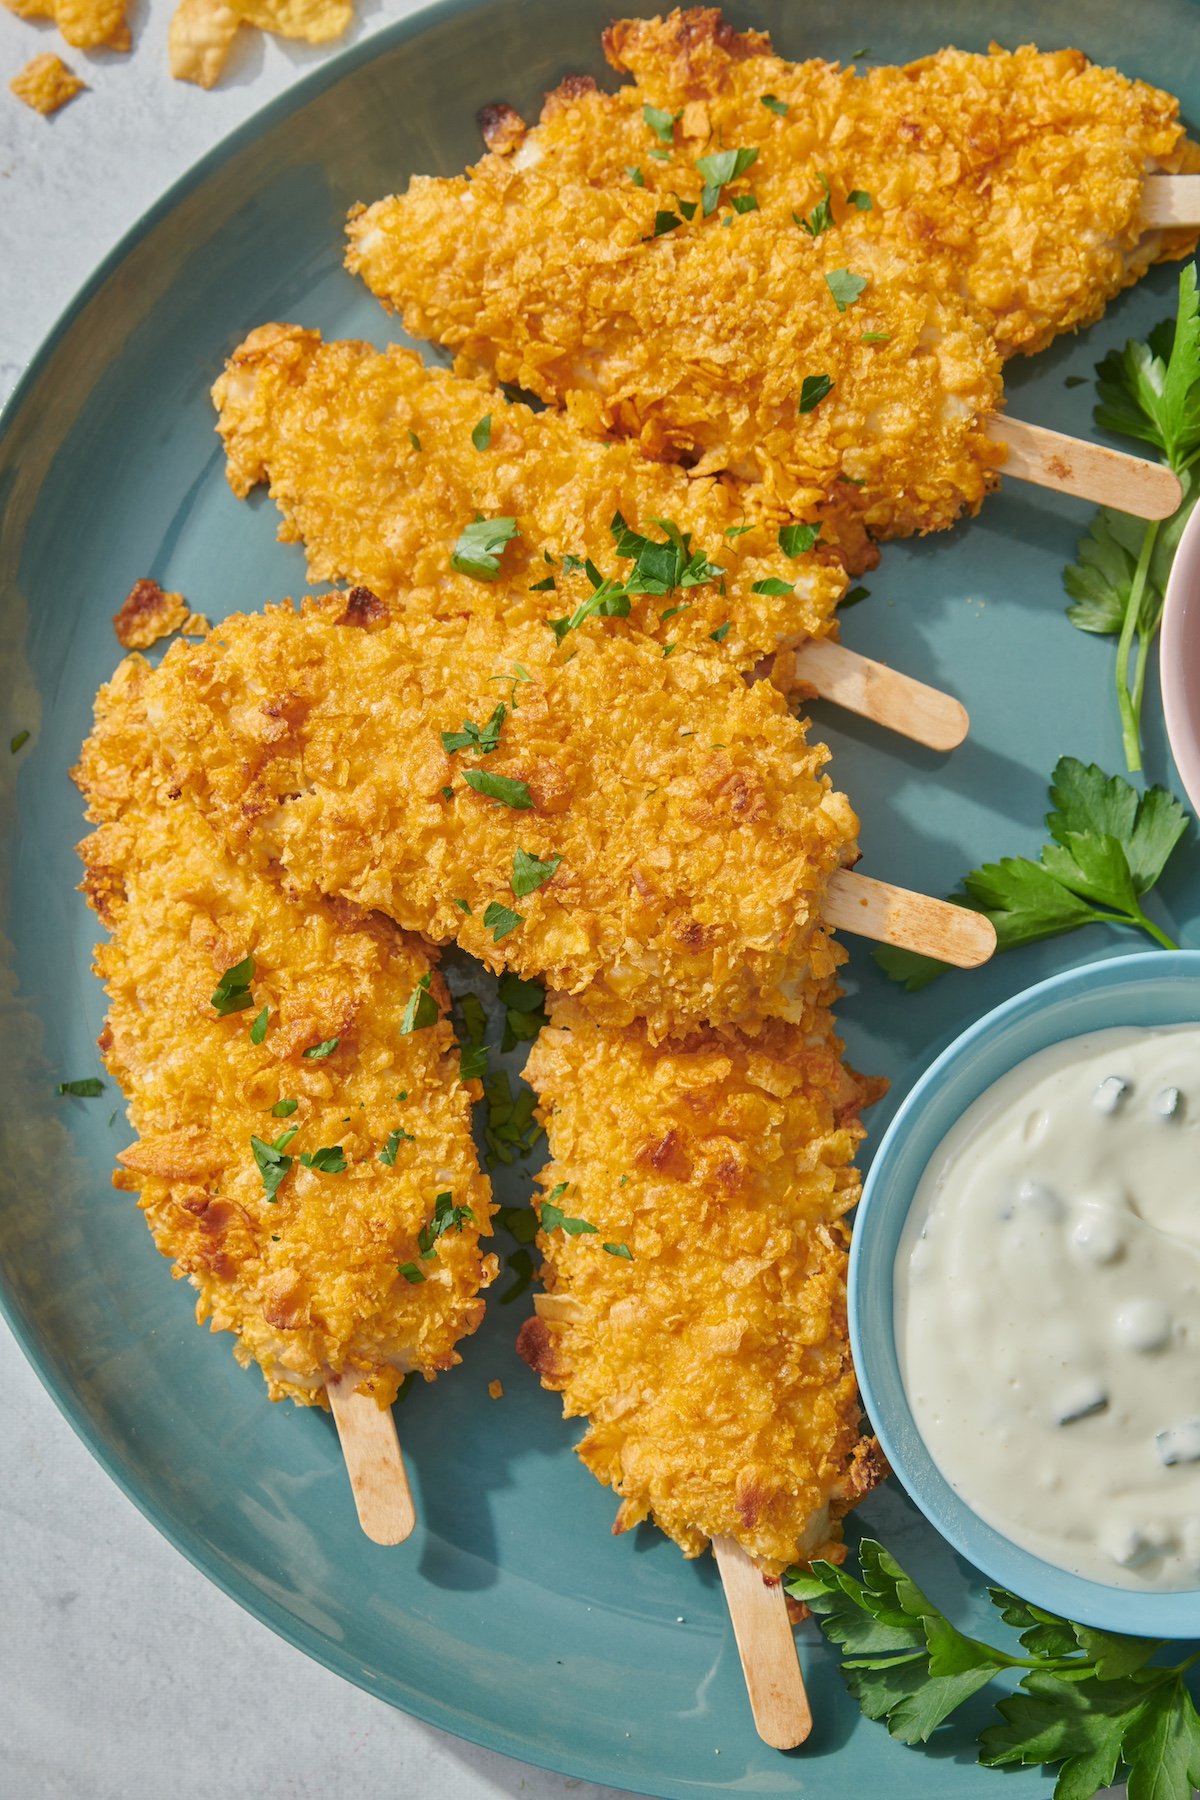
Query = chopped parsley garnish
x=736 y=531
x=875 y=337
x=661 y=123
x=394 y=1140
x=317 y=1052
x=463 y=906
x=511 y=1129
x=500 y=920
x=620 y=1250
x=555 y=1219
x=844 y=287
x=661 y=566
x=16 y=743
x=861 y=199
x=544 y=587
x=813 y=390
x=480 y=547
x=414 y=440
x=472 y=1055
x=528 y=873
x=665 y=221
x=773 y=104
x=410 y=1273
x=233 y=990
x=481 y=436
x=743 y=203
x=661 y=155
x=718 y=170
x=669 y=649
x=482 y=739
x=721 y=633
x=328 y=1161
x=686 y=207
x=794 y=540
x=422 y=1009
x=446 y=1217
x=608 y=600
x=283 y=1109
x=853 y=597
x=504 y=788
x=524 y=1015
x=772 y=585
x=1075 y=381
x=87 y=1089
x=273 y=1165
x=821 y=217
x=472 y=1062
x=258 y=1030
x=635 y=175
x=447 y=793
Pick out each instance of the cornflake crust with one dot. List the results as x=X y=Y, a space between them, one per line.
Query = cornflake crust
x=45 y=84
x=315 y=21
x=149 y=612
x=199 y=40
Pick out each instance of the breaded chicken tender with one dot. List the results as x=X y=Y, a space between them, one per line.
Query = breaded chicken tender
x=371 y=460
x=855 y=386
x=644 y=829
x=700 y=1325
x=302 y=1263
x=1018 y=176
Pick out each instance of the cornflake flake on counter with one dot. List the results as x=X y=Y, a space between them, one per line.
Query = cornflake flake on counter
x=84 y=24
x=199 y=40
x=45 y=84
x=316 y=21
x=149 y=612
x=496 y=1390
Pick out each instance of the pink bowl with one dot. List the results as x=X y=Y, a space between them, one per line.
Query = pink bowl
x=1179 y=658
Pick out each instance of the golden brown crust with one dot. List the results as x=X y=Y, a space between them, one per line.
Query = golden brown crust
x=711 y=1363
x=370 y=458
x=148 y=613
x=311 y=1280
x=695 y=827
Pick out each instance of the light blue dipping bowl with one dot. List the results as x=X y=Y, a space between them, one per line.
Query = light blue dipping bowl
x=1157 y=988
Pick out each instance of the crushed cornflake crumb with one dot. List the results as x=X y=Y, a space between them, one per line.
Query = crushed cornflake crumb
x=199 y=40
x=84 y=24
x=496 y=1390
x=148 y=613
x=45 y=84
x=316 y=21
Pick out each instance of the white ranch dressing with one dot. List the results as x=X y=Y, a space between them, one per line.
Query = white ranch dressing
x=1047 y=1305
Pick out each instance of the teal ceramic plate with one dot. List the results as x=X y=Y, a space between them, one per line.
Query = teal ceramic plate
x=512 y=1617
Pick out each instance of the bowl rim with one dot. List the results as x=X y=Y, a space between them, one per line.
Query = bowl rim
x=1174 y=1614
x=1181 y=619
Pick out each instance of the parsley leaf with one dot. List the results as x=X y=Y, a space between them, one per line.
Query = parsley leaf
x=794 y=540
x=553 y=1218
x=258 y=1030
x=861 y=199
x=1110 y=845
x=317 y=1052
x=504 y=788
x=528 y=873
x=283 y=1109
x=411 y=1273
x=480 y=547
x=273 y=1165
x=482 y=739
x=773 y=105
x=665 y=221
x=524 y=1009
x=1151 y=390
x=853 y=598
x=821 y=217
x=724 y=166
x=875 y=337
x=395 y=1138
x=635 y=175
x=446 y=1217
x=721 y=633
x=620 y=1250
x=414 y=440
x=844 y=287
x=661 y=123
x=813 y=390
x=743 y=203
x=772 y=585
x=17 y=742
x=233 y=990
x=328 y=1161
x=87 y=1089
x=500 y=920
x=481 y=436
x=422 y=1009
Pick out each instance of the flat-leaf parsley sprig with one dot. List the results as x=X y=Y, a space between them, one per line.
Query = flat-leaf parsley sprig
x=1149 y=391
x=1110 y=845
x=1088 y=1700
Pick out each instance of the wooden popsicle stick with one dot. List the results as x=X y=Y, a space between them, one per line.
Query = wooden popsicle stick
x=378 y=1478
x=871 y=689
x=1051 y=459
x=766 y=1646
x=1171 y=200
x=894 y=915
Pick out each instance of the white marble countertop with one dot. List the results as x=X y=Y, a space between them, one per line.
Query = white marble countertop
x=123 y=1674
